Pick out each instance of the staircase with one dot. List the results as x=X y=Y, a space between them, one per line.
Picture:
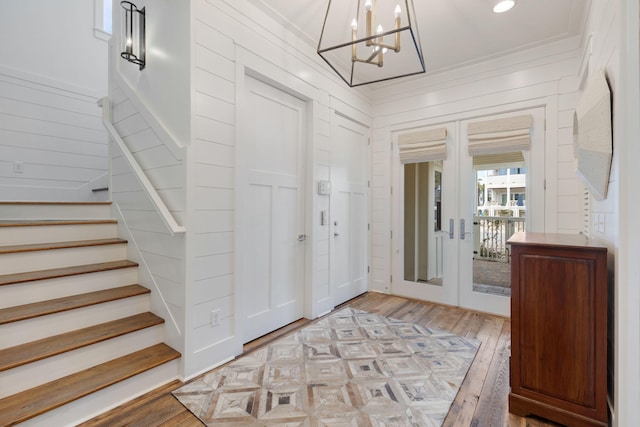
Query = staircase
x=76 y=334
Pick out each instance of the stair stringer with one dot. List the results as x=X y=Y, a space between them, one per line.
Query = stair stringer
x=173 y=332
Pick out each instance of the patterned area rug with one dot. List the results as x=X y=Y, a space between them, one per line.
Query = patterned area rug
x=351 y=368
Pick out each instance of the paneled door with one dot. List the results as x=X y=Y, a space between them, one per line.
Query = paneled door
x=349 y=213
x=272 y=175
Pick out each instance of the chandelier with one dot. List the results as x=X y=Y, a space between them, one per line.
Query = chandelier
x=368 y=41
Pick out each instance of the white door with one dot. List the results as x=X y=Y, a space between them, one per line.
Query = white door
x=451 y=237
x=272 y=169
x=423 y=249
x=349 y=213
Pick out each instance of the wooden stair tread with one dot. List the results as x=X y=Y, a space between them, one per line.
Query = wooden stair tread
x=53 y=273
x=39 y=222
x=43 y=308
x=151 y=402
x=59 y=245
x=71 y=203
x=38 y=400
x=51 y=346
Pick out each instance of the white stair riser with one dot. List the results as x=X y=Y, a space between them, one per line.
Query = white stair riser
x=50 y=369
x=25 y=211
x=93 y=405
x=21 y=262
x=24 y=331
x=31 y=234
x=43 y=290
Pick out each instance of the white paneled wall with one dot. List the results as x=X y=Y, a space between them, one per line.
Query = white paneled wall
x=604 y=24
x=52 y=142
x=213 y=142
x=233 y=39
x=161 y=256
x=538 y=77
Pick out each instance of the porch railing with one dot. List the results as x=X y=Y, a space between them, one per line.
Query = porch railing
x=491 y=234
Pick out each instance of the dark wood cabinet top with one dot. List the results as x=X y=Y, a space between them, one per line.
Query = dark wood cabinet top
x=554 y=240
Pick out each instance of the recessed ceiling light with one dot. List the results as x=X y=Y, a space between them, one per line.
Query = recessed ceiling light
x=501 y=6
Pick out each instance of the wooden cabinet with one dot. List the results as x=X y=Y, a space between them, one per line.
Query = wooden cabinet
x=559 y=328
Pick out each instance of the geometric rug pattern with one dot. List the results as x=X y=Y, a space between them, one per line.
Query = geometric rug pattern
x=349 y=369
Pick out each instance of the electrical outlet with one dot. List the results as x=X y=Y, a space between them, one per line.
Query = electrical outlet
x=18 y=167
x=215 y=317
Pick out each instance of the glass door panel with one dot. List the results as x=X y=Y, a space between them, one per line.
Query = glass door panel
x=423 y=246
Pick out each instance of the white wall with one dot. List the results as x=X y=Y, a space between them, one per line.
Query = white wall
x=52 y=72
x=613 y=26
x=163 y=85
x=544 y=76
x=233 y=39
x=54 y=39
x=138 y=115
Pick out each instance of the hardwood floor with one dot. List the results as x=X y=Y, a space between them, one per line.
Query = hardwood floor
x=482 y=400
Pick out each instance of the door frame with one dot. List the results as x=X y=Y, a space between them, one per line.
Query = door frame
x=244 y=71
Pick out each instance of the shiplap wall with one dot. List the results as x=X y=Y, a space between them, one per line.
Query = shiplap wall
x=52 y=72
x=233 y=39
x=544 y=76
x=161 y=256
x=54 y=132
x=603 y=53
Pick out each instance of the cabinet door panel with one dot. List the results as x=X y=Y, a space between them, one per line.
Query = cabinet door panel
x=557 y=342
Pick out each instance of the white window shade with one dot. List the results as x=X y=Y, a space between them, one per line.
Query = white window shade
x=423 y=146
x=498 y=136
x=516 y=159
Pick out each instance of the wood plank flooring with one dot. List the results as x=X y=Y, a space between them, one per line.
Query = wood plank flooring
x=482 y=400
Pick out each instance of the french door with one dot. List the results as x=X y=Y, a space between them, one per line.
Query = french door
x=452 y=217
x=271 y=163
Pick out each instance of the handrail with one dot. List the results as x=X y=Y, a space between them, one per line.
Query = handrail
x=168 y=219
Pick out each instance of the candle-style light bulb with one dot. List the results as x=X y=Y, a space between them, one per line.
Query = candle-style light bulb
x=354 y=28
x=379 y=41
x=368 y=6
x=397 y=12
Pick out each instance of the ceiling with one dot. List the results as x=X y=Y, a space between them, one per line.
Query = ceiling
x=456 y=32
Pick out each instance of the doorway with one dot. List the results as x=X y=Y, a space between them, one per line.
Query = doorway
x=271 y=159
x=444 y=237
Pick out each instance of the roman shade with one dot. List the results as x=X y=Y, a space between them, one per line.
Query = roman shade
x=423 y=146
x=514 y=158
x=507 y=135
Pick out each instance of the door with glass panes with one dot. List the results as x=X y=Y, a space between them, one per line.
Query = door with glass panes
x=458 y=201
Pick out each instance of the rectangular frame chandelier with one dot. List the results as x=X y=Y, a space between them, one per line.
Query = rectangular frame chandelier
x=369 y=41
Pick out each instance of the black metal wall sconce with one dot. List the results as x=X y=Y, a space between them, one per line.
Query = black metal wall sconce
x=133 y=37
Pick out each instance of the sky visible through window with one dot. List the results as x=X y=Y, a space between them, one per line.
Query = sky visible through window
x=106 y=16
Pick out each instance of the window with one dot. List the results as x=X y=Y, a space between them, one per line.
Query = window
x=103 y=19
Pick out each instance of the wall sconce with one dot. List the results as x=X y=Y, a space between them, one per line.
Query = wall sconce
x=133 y=40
